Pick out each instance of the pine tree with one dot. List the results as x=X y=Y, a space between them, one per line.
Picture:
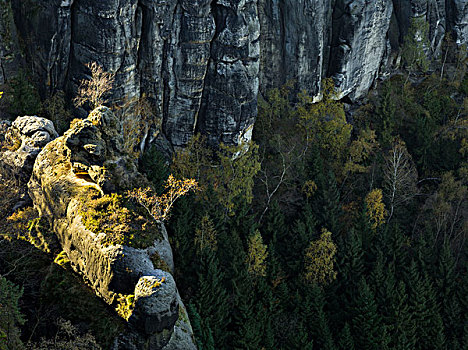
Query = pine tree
x=154 y=166
x=382 y=283
x=415 y=44
x=203 y=334
x=248 y=330
x=447 y=286
x=401 y=324
x=369 y=332
x=350 y=265
x=346 y=341
x=10 y=315
x=424 y=310
x=328 y=205
x=211 y=298
x=316 y=317
x=296 y=240
x=386 y=115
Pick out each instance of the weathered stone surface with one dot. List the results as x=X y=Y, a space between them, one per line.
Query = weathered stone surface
x=88 y=159
x=359 y=44
x=45 y=28
x=230 y=96
x=21 y=142
x=295 y=39
x=191 y=56
x=202 y=62
x=459 y=19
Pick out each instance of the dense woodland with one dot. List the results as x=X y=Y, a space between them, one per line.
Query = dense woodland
x=339 y=227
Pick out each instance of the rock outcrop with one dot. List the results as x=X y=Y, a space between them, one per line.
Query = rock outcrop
x=21 y=142
x=202 y=63
x=83 y=165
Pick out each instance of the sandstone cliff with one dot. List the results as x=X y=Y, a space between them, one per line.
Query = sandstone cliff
x=203 y=63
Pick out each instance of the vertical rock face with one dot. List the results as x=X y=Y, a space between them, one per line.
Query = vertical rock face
x=188 y=60
x=435 y=12
x=459 y=19
x=202 y=62
x=45 y=29
x=295 y=39
x=359 y=43
x=230 y=94
x=107 y=32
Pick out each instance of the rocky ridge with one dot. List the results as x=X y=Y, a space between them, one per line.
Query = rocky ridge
x=203 y=63
x=86 y=163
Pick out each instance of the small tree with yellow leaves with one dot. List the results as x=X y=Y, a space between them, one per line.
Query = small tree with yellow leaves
x=257 y=254
x=360 y=151
x=93 y=91
x=159 y=206
x=320 y=259
x=375 y=208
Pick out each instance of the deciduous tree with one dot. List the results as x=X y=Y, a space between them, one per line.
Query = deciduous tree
x=375 y=208
x=94 y=91
x=159 y=206
x=257 y=254
x=320 y=259
x=400 y=176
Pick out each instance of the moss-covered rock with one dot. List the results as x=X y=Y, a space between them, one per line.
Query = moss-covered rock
x=108 y=241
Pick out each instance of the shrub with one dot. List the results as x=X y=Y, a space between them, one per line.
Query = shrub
x=125 y=305
x=159 y=207
x=67 y=338
x=118 y=221
x=95 y=90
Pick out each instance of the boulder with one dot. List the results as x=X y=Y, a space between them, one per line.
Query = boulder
x=21 y=142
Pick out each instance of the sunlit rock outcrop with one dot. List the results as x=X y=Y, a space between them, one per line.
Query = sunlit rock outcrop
x=70 y=173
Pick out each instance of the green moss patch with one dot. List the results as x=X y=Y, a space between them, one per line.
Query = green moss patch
x=120 y=221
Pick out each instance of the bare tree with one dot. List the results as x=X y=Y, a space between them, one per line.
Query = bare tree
x=400 y=176
x=93 y=91
x=136 y=115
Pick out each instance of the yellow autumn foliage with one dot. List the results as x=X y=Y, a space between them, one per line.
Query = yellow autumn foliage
x=320 y=259
x=257 y=254
x=375 y=208
x=159 y=206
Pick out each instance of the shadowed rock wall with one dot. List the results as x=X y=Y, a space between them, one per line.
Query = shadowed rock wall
x=202 y=63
